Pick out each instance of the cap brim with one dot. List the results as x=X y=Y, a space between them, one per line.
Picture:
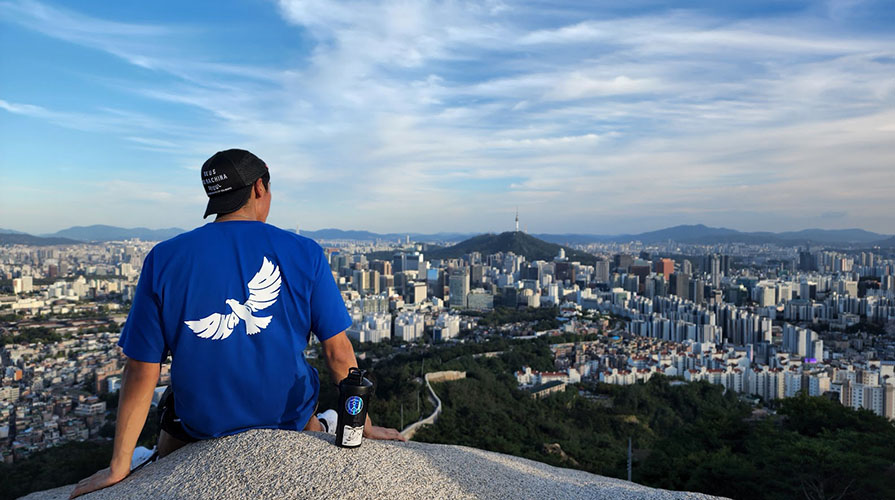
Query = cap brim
x=230 y=201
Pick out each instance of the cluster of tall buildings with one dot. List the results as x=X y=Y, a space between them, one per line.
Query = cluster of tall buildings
x=45 y=391
x=122 y=258
x=404 y=295
x=773 y=358
x=771 y=323
x=73 y=273
x=627 y=359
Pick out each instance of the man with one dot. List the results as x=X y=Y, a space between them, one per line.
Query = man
x=234 y=302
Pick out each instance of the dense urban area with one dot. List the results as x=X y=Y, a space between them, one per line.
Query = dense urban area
x=763 y=321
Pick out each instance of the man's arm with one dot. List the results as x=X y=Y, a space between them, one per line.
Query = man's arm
x=137 y=385
x=339 y=356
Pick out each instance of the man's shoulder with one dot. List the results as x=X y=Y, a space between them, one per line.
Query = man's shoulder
x=207 y=234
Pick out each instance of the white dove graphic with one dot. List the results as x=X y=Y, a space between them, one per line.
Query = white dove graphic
x=264 y=289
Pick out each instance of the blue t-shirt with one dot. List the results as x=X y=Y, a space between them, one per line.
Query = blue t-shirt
x=234 y=303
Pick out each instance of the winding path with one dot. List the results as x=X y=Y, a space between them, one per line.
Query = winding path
x=432 y=377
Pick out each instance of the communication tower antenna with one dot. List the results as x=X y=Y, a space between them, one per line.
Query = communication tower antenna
x=517 y=219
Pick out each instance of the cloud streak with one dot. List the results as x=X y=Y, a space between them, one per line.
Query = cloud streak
x=589 y=121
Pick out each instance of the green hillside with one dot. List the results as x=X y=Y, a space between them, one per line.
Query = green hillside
x=517 y=242
x=36 y=241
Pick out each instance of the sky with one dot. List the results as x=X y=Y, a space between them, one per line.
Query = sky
x=426 y=116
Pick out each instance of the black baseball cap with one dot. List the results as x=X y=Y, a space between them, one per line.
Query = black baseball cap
x=228 y=177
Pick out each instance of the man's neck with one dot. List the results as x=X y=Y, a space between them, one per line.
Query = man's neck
x=237 y=215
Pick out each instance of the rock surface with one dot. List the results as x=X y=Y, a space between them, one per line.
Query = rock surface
x=275 y=464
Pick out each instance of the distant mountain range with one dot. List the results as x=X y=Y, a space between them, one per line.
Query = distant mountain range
x=694 y=234
x=339 y=234
x=86 y=234
x=112 y=233
x=700 y=234
x=889 y=243
x=517 y=242
x=10 y=238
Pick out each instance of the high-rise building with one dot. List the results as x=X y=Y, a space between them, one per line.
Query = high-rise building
x=601 y=271
x=641 y=271
x=386 y=283
x=679 y=284
x=802 y=342
x=361 y=281
x=417 y=292
x=711 y=265
x=767 y=295
x=435 y=278
x=889 y=395
x=477 y=272
x=563 y=271
x=697 y=291
x=23 y=284
x=459 y=287
x=414 y=262
x=372 y=328
x=807 y=290
x=373 y=281
x=409 y=326
x=337 y=262
x=807 y=261
x=623 y=262
x=398 y=262
x=889 y=282
x=664 y=267
x=383 y=266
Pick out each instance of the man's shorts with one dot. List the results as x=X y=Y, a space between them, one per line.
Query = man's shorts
x=168 y=419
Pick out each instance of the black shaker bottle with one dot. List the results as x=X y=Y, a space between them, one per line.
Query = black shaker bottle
x=354 y=399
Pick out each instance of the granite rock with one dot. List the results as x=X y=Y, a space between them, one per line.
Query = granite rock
x=276 y=464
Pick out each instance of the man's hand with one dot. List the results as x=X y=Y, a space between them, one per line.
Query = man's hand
x=387 y=433
x=137 y=385
x=98 y=481
x=339 y=356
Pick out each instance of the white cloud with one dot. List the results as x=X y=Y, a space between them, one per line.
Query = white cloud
x=404 y=104
x=136 y=191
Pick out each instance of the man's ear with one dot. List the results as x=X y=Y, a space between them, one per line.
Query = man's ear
x=258 y=187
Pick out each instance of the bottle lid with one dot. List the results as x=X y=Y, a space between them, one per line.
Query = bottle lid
x=356 y=376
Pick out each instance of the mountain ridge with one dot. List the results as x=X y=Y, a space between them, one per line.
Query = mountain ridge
x=35 y=241
x=102 y=232
x=355 y=234
x=687 y=234
x=517 y=242
x=702 y=234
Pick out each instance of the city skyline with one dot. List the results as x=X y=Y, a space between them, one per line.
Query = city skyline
x=391 y=116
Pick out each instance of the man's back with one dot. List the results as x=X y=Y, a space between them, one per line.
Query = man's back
x=235 y=302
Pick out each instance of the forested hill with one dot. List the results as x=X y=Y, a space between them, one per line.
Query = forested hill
x=36 y=241
x=686 y=436
x=517 y=242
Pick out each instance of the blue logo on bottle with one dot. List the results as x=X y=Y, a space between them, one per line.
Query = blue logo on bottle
x=354 y=405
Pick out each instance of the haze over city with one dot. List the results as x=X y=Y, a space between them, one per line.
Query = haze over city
x=540 y=248
x=445 y=116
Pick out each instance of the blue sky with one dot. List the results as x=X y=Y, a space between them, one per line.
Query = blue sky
x=445 y=116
